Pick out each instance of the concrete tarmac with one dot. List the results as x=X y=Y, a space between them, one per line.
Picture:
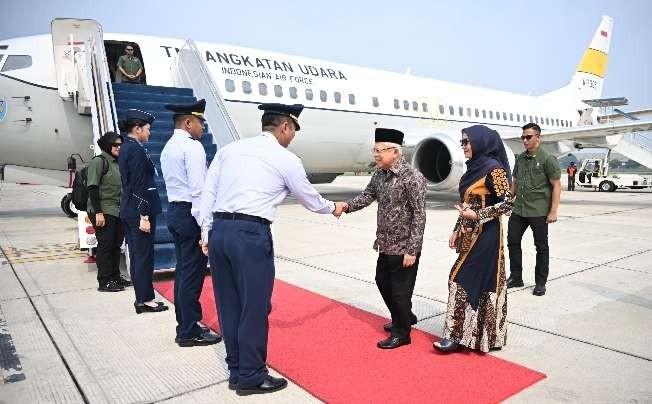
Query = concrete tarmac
x=62 y=341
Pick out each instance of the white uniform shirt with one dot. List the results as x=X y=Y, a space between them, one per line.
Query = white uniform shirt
x=252 y=176
x=183 y=162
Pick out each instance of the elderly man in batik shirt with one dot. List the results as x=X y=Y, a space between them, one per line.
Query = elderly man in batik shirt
x=400 y=191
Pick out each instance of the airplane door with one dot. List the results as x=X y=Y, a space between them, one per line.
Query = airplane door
x=68 y=38
x=115 y=49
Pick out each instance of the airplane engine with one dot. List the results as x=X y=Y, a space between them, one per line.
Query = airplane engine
x=440 y=159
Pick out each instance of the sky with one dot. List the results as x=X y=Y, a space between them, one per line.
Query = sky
x=528 y=47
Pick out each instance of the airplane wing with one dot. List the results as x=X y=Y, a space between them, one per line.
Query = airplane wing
x=593 y=131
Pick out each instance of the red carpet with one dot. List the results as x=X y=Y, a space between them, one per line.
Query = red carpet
x=329 y=349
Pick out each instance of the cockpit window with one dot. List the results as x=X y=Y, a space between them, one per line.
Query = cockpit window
x=15 y=62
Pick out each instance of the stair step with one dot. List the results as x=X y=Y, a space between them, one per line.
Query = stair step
x=121 y=96
x=142 y=88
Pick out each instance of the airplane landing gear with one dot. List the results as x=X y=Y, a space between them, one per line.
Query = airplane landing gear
x=67 y=206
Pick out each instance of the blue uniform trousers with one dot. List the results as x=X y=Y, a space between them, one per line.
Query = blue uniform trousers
x=242 y=265
x=141 y=257
x=190 y=270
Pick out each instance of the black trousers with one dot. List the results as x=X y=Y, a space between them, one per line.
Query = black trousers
x=571 y=183
x=107 y=254
x=515 y=229
x=141 y=257
x=190 y=269
x=396 y=285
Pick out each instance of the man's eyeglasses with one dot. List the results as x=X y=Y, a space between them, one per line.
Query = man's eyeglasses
x=526 y=137
x=378 y=151
x=464 y=142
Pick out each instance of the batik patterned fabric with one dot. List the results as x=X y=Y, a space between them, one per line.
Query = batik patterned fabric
x=477 y=300
x=401 y=219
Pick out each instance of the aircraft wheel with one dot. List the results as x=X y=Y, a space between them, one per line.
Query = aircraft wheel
x=607 y=186
x=67 y=206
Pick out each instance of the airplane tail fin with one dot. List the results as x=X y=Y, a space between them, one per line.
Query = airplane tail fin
x=588 y=80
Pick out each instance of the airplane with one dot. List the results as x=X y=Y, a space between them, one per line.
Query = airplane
x=42 y=125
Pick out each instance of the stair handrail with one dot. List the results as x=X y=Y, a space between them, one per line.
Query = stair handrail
x=103 y=111
x=190 y=70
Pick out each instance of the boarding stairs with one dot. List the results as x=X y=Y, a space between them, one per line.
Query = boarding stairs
x=637 y=147
x=84 y=79
x=153 y=99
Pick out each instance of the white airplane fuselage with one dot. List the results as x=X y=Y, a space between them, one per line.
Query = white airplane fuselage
x=41 y=129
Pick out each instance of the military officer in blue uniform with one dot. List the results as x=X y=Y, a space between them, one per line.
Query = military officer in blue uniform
x=245 y=183
x=183 y=163
x=139 y=207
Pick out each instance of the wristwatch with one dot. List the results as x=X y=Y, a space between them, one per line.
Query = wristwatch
x=144 y=217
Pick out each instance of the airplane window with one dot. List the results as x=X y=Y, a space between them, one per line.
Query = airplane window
x=322 y=95
x=557 y=121
x=406 y=105
x=504 y=116
x=547 y=121
x=484 y=114
x=441 y=109
x=15 y=62
x=246 y=87
x=491 y=114
x=374 y=100
x=351 y=99
x=477 y=113
x=424 y=107
x=518 y=117
x=536 y=119
x=415 y=105
x=451 y=110
x=461 y=111
x=230 y=85
x=468 y=112
x=531 y=120
x=396 y=104
x=308 y=94
x=497 y=115
x=338 y=97
x=293 y=92
x=278 y=91
x=262 y=88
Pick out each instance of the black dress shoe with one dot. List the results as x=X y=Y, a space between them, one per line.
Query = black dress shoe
x=539 y=290
x=446 y=346
x=514 y=283
x=388 y=327
x=206 y=338
x=124 y=281
x=111 y=286
x=393 y=342
x=143 y=308
x=233 y=386
x=269 y=385
x=203 y=330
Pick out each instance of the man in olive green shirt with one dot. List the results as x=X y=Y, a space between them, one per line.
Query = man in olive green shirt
x=537 y=187
x=129 y=66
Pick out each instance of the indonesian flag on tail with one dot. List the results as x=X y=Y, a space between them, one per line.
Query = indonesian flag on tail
x=604 y=33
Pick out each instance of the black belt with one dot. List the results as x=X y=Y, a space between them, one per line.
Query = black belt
x=241 y=216
x=180 y=203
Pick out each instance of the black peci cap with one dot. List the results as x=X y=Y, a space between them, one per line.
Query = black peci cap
x=389 y=135
x=196 y=109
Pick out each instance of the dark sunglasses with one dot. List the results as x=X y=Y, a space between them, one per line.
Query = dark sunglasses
x=464 y=142
x=129 y=49
x=526 y=137
x=116 y=144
